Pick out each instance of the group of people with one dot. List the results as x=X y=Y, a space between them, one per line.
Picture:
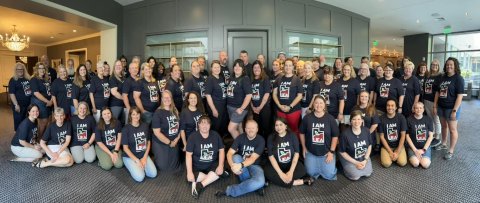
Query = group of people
x=302 y=115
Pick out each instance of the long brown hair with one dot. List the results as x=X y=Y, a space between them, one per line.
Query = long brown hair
x=199 y=102
x=77 y=80
x=370 y=110
x=101 y=123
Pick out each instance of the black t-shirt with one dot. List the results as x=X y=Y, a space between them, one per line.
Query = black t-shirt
x=55 y=135
x=246 y=147
x=333 y=94
x=259 y=89
x=62 y=90
x=319 y=133
x=351 y=90
x=392 y=128
x=176 y=88
x=205 y=150
x=26 y=131
x=419 y=130
x=203 y=73
x=101 y=91
x=309 y=89
x=82 y=130
x=194 y=84
x=449 y=88
x=149 y=94
x=108 y=136
x=225 y=72
x=355 y=146
x=115 y=82
x=411 y=87
x=387 y=89
x=429 y=86
x=81 y=93
x=287 y=90
x=248 y=69
x=421 y=80
x=367 y=84
x=42 y=87
x=320 y=74
x=284 y=149
x=21 y=89
x=237 y=90
x=136 y=138
x=217 y=89
x=189 y=121
x=368 y=121
x=167 y=122
x=52 y=73
x=129 y=85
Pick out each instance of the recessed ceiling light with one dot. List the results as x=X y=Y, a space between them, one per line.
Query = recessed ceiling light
x=74 y=30
x=51 y=37
x=394 y=39
x=466 y=13
x=418 y=21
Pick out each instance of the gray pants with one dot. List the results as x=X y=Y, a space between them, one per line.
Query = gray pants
x=26 y=152
x=351 y=171
x=166 y=157
x=105 y=161
x=119 y=113
x=437 y=127
x=79 y=154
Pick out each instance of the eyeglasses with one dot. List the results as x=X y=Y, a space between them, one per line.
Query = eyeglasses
x=388 y=70
x=19 y=69
x=40 y=68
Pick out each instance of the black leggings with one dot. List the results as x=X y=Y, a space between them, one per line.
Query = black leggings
x=219 y=124
x=274 y=178
x=264 y=121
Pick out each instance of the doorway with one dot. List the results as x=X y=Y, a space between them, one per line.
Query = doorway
x=77 y=55
x=254 y=42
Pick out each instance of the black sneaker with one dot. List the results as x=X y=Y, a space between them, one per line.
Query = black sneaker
x=220 y=194
x=435 y=142
x=261 y=192
x=377 y=148
x=197 y=190
x=225 y=174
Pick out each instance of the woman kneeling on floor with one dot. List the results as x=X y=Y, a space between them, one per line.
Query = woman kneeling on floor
x=24 y=144
x=55 y=142
x=136 y=145
x=108 y=136
x=205 y=157
x=392 y=135
x=419 y=136
x=83 y=126
x=355 y=148
x=284 y=168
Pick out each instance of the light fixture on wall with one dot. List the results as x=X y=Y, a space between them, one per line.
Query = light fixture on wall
x=14 y=42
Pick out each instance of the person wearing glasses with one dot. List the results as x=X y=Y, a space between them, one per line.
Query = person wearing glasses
x=20 y=93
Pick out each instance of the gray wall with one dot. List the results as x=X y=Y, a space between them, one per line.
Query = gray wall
x=152 y=17
x=416 y=47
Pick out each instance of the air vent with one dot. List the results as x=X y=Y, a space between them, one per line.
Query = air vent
x=440 y=19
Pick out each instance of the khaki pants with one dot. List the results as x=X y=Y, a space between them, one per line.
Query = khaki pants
x=387 y=161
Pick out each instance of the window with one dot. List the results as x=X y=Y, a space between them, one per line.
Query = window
x=307 y=46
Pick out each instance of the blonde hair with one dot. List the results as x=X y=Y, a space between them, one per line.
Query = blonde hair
x=120 y=76
x=310 y=64
x=25 y=72
x=142 y=74
x=35 y=72
x=173 y=109
x=410 y=65
x=352 y=71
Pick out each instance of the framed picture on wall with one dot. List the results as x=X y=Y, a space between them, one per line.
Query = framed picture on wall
x=56 y=62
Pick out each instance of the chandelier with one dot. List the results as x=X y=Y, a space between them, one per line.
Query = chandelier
x=14 y=42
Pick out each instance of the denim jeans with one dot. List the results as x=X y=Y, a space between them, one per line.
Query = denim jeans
x=138 y=173
x=316 y=167
x=251 y=179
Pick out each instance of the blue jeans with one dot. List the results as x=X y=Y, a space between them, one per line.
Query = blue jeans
x=138 y=173
x=251 y=179
x=316 y=166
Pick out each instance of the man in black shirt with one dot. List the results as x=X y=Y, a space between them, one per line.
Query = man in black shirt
x=248 y=66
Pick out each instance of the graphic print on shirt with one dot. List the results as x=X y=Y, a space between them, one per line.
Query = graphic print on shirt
x=255 y=92
x=173 y=125
x=202 y=88
x=247 y=151
x=195 y=119
x=153 y=93
x=47 y=87
x=305 y=87
x=285 y=90
x=26 y=88
x=224 y=89
x=363 y=86
x=34 y=136
x=318 y=135
x=106 y=90
x=82 y=132
x=140 y=141
x=324 y=94
x=405 y=84
x=110 y=138
x=230 y=88
x=206 y=154
x=226 y=75
x=444 y=89
x=429 y=86
x=392 y=134
x=384 y=90
x=284 y=154
x=162 y=84
x=68 y=87
x=421 y=133
x=360 y=149
x=344 y=88
x=87 y=86
x=61 y=137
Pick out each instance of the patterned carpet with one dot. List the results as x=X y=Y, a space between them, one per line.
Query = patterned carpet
x=446 y=181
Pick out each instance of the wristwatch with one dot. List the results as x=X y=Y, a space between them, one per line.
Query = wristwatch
x=454 y=110
x=242 y=165
x=116 y=151
x=332 y=151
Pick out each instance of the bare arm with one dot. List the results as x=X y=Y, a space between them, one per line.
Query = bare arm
x=138 y=101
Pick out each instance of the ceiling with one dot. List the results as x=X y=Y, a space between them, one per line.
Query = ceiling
x=40 y=29
x=390 y=20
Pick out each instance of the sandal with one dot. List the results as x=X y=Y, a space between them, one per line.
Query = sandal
x=308 y=181
x=37 y=163
x=448 y=156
